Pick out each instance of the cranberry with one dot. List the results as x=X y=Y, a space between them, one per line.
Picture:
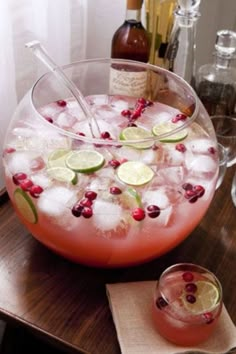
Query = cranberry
x=193 y=199
x=179 y=117
x=200 y=190
x=9 y=150
x=149 y=103
x=80 y=133
x=138 y=214
x=160 y=302
x=87 y=212
x=190 y=193
x=49 y=119
x=208 y=317
x=153 y=211
x=114 y=163
x=135 y=114
x=180 y=147
x=35 y=191
x=188 y=277
x=26 y=184
x=115 y=190
x=61 y=103
x=85 y=202
x=77 y=210
x=187 y=186
x=211 y=150
x=126 y=113
x=191 y=287
x=142 y=101
x=18 y=177
x=105 y=135
x=90 y=195
x=191 y=298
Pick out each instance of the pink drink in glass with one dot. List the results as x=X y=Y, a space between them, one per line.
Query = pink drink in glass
x=187 y=304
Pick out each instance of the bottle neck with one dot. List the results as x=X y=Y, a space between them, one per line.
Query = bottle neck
x=133 y=15
x=222 y=61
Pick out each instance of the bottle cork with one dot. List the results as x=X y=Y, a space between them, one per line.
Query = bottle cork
x=134 y=4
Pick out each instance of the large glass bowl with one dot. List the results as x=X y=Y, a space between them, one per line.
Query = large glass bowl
x=122 y=194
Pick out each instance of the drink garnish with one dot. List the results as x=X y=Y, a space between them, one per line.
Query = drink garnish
x=137 y=133
x=63 y=174
x=135 y=173
x=205 y=298
x=25 y=206
x=57 y=158
x=168 y=127
x=85 y=161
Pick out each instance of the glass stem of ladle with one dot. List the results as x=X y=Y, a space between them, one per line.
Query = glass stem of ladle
x=41 y=54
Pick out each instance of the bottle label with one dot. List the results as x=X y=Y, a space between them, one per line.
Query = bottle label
x=130 y=83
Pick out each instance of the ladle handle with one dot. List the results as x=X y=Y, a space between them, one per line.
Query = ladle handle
x=42 y=54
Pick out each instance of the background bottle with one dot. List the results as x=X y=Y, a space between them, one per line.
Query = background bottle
x=180 y=53
x=130 y=41
x=159 y=23
x=216 y=82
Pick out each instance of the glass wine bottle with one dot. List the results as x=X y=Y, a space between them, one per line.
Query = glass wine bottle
x=180 y=53
x=130 y=41
x=216 y=82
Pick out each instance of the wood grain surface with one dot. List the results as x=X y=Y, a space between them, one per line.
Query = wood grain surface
x=66 y=303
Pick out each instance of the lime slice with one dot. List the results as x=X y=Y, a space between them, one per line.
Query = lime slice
x=63 y=174
x=165 y=127
x=137 y=133
x=135 y=173
x=57 y=158
x=85 y=161
x=207 y=297
x=25 y=206
x=130 y=198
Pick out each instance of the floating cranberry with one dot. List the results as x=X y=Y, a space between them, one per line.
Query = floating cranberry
x=149 y=103
x=61 y=103
x=138 y=214
x=105 y=135
x=85 y=202
x=191 y=287
x=179 y=117
x=187 y=186
x=90 y=195
x=180 y=147
x=189 y=193
x=49 y=119
x=142 y=101
x=135 y=114
x=131 y=124
x=200 y=190
x=160 y=302
x=191 y=298
x=35 y=191
x=126 y=113
x=18 y=177
x=115 y=190
x=211 y=150
x=9 y=150
x=114 y=163
x=188 y=277
x=80 y=133
x=77 y=210
x=26 y=184
x=153 y=211
x=87 y=212
x=208 y=317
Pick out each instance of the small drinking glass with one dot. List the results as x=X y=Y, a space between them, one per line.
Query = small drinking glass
x=225 y=129
x=187 y=304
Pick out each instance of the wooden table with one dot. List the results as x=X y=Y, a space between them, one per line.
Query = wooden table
x=66 y=303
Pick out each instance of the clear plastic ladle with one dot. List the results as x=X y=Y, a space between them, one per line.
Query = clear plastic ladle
x=42 y=54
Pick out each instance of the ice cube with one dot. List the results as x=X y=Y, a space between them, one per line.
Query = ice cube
x=157 y=197
x=202 y=164
x=199 y=146
x=120 y=105
x=65 y=120
x=56 y=200
x=20 y=161
x=129 y=153
x=171 y=175
x=175 y=157
x=24 y=132
x=41 y=180
x=107 y=216
x=82 y=127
